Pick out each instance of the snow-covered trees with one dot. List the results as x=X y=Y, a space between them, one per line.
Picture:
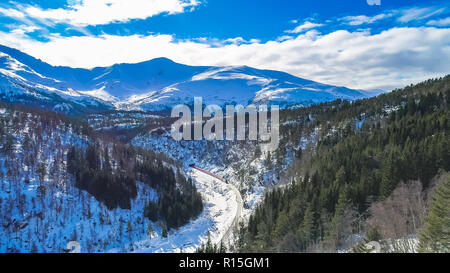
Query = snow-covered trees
x=60 y=182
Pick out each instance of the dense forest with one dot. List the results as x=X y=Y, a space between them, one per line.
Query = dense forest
x=371 y=155
x=98 y=163
x=109 y=172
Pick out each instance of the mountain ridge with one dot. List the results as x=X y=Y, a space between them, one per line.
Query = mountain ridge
x=160 y=84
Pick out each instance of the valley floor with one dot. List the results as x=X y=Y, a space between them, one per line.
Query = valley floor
x=222 y=207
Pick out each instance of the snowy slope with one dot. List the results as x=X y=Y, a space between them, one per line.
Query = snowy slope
x=160 y=83
x=42 y=211
x=44 y=214
x=21 y=83
x=221 y=206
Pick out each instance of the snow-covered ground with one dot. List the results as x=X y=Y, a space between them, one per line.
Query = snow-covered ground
x=221 y=206
x=49 y=223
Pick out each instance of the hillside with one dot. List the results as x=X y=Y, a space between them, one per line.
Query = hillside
x=348 y=185
x=61 y=182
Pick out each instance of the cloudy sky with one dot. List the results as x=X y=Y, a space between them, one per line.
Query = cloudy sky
x=348 y=43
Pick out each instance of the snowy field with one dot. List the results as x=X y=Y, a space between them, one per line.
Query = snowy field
x=220 y=208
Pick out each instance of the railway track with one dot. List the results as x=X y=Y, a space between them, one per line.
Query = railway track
x=235 y=224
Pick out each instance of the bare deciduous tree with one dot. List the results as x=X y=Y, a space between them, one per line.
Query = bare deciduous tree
x=400 y=216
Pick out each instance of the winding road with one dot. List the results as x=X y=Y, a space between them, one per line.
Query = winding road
x=226 y=237
x=235 y=223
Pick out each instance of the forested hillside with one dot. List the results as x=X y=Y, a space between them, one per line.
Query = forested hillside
x=367 y=156
x=60 y=181
x=110 y=174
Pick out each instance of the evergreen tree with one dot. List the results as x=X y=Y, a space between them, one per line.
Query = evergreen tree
x=257 y=151
x=268 y=161
x=150 y=230
x=41 y=171
x=334 y=231
x=389 y=179
x=129 y=227
x=373 y=234
x=308 y=226
x=165 y=233
x=436 y=235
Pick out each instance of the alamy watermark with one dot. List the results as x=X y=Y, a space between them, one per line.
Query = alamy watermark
x=374 y=2
x=191 y=127
x=73 y=247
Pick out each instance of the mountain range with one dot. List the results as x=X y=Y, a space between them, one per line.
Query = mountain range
x=154 y=85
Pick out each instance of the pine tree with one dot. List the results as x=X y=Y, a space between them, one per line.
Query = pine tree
x=389 y=179
x=268 y=162
x=149 y=230
x=164 y=231
x=308 y=226
x=222 y=248
x=282 y=225
x=257 y=151
x=436 y=235
x=129 y=227
x=373 y=234
x=334 y=232
x=41 y=171
x=209 y=246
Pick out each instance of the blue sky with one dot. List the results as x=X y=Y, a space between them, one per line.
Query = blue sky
x=348 y=43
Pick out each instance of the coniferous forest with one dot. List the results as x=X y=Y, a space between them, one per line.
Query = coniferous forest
x=376 y=158
x=115 y=184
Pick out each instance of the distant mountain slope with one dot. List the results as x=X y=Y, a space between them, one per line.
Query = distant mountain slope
x=158 y=84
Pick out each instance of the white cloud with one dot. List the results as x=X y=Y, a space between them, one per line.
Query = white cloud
x=405 y=15
x=393 y=58
x=97 y=12
x=215 y=42
x=412 y=14
x=305 y=26
x=22 y=29
x=12 y=13
x=362 y=19
x=284 y=38
x=440 y=23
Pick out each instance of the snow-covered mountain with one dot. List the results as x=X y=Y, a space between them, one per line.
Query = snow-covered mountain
x=154 y=85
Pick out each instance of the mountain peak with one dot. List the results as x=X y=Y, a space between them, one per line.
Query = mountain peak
x=161 y=60
x=161 y=83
